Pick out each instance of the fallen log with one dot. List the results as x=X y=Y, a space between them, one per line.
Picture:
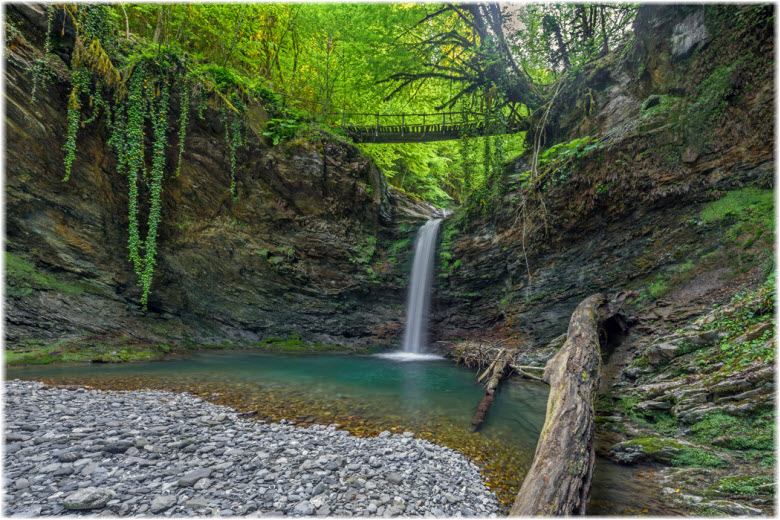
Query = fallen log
x=559 y=480
x=496 y=369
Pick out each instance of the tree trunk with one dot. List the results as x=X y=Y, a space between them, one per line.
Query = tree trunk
x=559 y=480
x=158 y=28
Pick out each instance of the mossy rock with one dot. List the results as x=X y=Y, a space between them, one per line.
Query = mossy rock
x=747 y=485
x=666 y=451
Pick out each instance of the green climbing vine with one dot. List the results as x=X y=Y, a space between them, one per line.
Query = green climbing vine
x=233 y=136
x=41 y=74
x=134 y=91
x=184 y=110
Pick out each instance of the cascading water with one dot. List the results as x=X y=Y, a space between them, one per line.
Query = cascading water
x=419 y=296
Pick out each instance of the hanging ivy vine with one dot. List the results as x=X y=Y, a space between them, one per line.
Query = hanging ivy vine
x=39 y=69
x=233 y=137
x=140 y=103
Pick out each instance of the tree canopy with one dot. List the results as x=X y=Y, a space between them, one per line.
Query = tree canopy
x=384 y=58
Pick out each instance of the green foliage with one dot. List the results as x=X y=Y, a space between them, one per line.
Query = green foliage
x=747 y=485
x=737 y=433
x=364 y=250
x=76 y=350
x=448 y=235
x=747 y=311
x=657 y=104
x=658 y=287
x=399 y=248
x=712 y=100
x=282 y=129
x=676 y=453
x=558 y=163
x=138 y=79
x=41 y=73
x=748 y=205
x=233 y=125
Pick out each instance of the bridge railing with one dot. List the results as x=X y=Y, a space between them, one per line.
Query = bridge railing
x=366 y=122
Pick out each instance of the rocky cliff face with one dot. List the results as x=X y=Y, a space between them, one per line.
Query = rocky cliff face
x=314 y=245
x=676 y=119
x=663 y=185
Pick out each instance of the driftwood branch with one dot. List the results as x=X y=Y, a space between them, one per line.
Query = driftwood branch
x=496 y=369
x=559 y=480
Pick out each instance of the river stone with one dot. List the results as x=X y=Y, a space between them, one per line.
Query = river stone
x=117 y=447
x=193 y=476
x=452 y=499
x=161 y=503
x=197 y=503
x=303 y=508
x=88 y=498
x=395 y=478
x=319 y=488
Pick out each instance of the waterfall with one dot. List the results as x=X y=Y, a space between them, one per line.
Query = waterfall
x=419 y=296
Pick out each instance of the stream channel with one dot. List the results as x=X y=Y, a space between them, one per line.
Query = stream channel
x=366 y=394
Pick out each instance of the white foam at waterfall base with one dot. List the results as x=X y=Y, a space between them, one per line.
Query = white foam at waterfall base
x=409 y=356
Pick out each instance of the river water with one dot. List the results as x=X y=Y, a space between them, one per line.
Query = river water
x=365 y=395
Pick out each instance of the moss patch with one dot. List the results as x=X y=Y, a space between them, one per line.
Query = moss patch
x=747 y=485
x=750 y=205
x=22 y=278
x=737 y=433
x=676 y=453
x=94 y=350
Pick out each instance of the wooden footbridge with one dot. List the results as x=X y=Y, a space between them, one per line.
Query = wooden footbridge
x=412 y=128
x=425 y=128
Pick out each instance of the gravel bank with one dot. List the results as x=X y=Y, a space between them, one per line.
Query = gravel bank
x=158 y=453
